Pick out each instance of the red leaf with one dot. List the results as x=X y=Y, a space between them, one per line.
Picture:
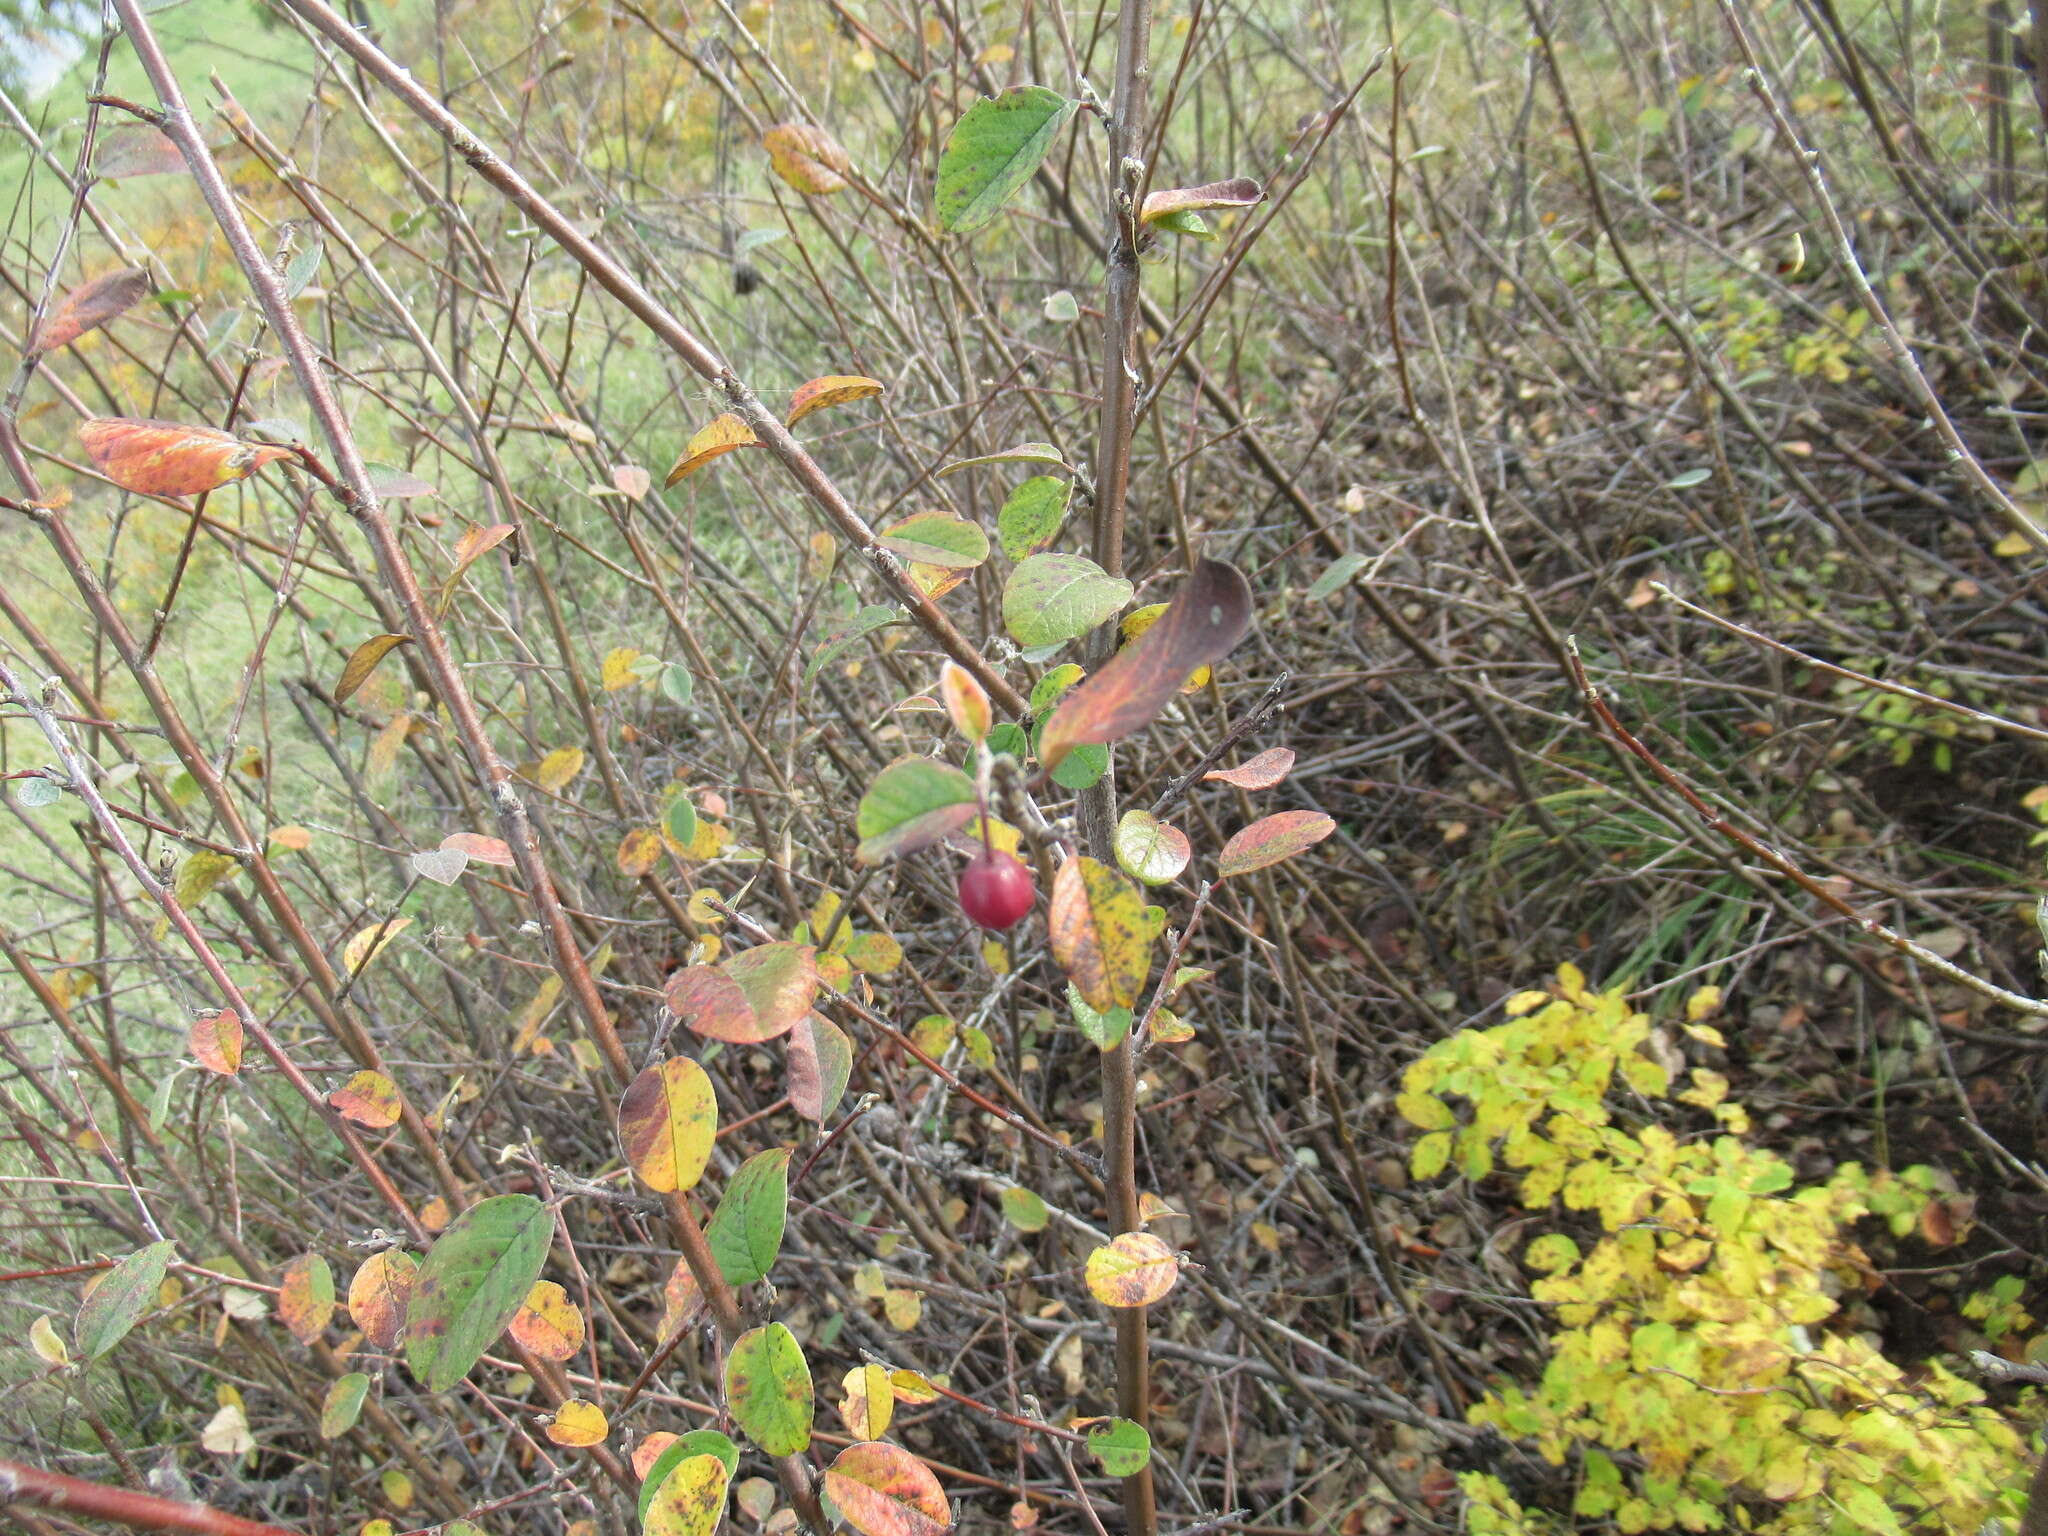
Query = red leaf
x=1272 y=839
x=1261 y=772
x=90 y=306
x=1201 y=625
x=481 y=849
x=168 y=458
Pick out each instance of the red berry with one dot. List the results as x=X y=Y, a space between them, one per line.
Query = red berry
x=995 y=889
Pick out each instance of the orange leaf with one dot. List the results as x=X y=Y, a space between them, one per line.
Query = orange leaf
x=808 y=158
x=1261 y=772
x=475 y=543
x=639 y=850
x=481 y=849
x=1133 y=1270
x=369 y=1099
x=305 y=1299
x=883 y=1490
x=215 y=1040
x=1099 y=934
x=632 y=480
x=378 y=1295
x=834 y=389
x=1201 y=625
x=167 y=458
x=548 y=1322
x=1272 y=839
x=724 y=434
x=757 y=995
x=90 y=306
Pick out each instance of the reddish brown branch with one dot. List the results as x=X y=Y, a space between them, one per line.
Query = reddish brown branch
x=20 y=1484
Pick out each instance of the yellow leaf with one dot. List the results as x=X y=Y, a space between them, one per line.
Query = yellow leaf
x=578 y=1424
x=362 y=661
x=639 y=851
x=834 y=389
x=1099 y=933
x=724 y=434
x=558 y=768
x=806 y=157
x=370 y=943
x=617 y=671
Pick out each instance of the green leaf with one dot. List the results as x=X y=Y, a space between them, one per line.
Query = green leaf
x=1024 y=1210
x=1023 y=453
x=1057 y=680
x=118 y=1302
x=680 y=684
x=746 y=1233
x=38 y=792
x=993 y=150
x=689 y=1500
x=1121 y=1445
x=1431 y=1155
x=1338 y=576
x=1008 y=739
x=1051 y=599
x=1081 y=767
x=937 y=538
x=698 y=1442
x=1184 y=221
x=474 y=1278
x=1148 y=848
x=344 y=1403
x=912 y=802
x=1105 y=1029
x=680 y=820
x=1032 y=514
x=871 y=618
x=768 y=1389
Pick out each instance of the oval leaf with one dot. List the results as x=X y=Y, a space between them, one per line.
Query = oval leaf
x=746 y=1232
x=1202 y=625
x=362 y=661
x=689 y=1499
x=1242 y=192
x=911 y=803
x=1100 y=935
x=1133 y=1270
x=548 y=1323
x=807 y=158
x=480 y=849
x=474 y=1279
x=1272 y=839
x=344 y=1403
x=89 y=306
x=168 y=458
x=724 y=434
x=820 y=1062
x=579 y=1424
x=118 y=1301
x=937 y=538
x=1023 y=453
x=869 y=1402
x=667 y=1122
x=215 y=1041
x=993 y=150
x=1121 y=1445
x=834 y=389
x=1149 y=849
x=768 y=1389
x=305 y=1299
x=379 y=1293
x=1050 y=599
x=369 y=1099
x=883 y=1490
x=1032 y=515
x=757 y=995
x=1261 y=772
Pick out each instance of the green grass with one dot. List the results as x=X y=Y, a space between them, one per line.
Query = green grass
x=260 y=61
